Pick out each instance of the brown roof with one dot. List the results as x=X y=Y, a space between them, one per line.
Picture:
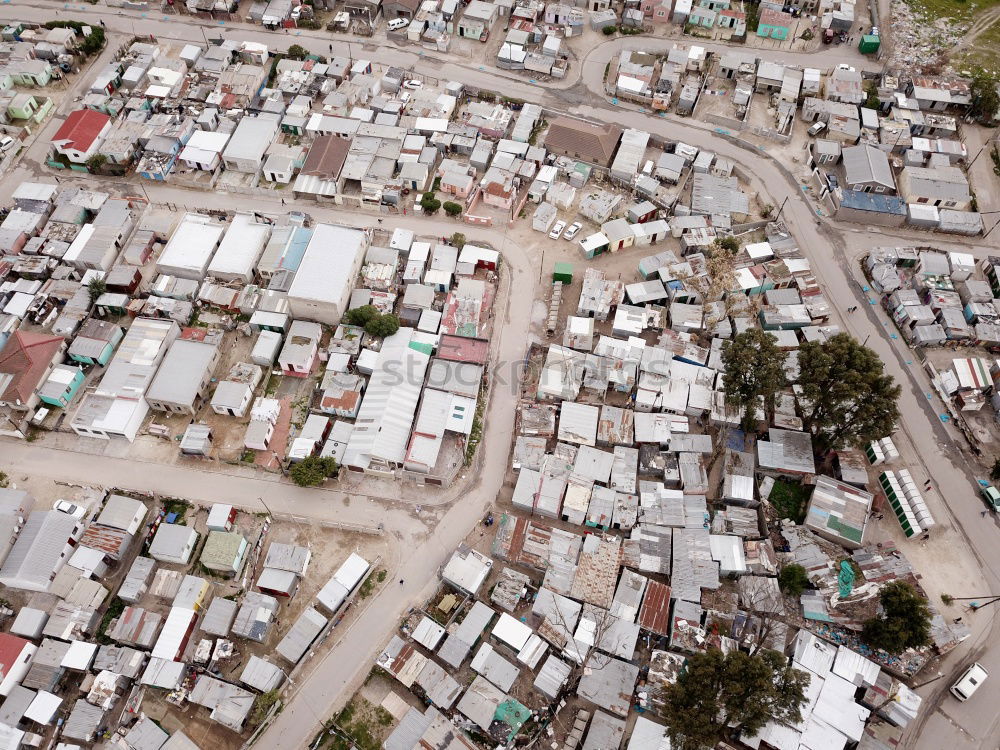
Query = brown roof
x=27 y=357
x=326 y=157
x=591 y=142
x=655 y=613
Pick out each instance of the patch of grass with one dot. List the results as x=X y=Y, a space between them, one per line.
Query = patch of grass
x=248 y=456
x=957 y=10
x=790 y=500
x=371 y=584
x=360 y=726
x=261 y=706
x=175 y=505
x=115 y=609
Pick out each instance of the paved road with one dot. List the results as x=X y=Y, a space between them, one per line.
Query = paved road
x=962 y=532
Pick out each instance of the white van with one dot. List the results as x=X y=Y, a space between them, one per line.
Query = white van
x=398 y=23
x=969 y=682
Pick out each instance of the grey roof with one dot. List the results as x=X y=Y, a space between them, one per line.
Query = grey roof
x=481 y=701
x=15 y=704
x=407 y=734
x=609 y=683
x=170 y=540
x=494 y=667
x=228 y=703
x=552 y=676
x=122 y=660
x=38 y=551
x=180 y=741
x=83 y=722
x=301 y=635
x=606 y=732
x=786 y=450
x=255 y=615
x=120 y=511
x=219 y=617
x=866 y=163
x=944 y=183
x=184 y=367
x=290 y=557
x=261 y=674
x=29 y=622
x=145 y=735
x=441 y=688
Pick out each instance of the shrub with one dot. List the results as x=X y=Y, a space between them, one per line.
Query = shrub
x=609 y=30
x=451 y=208
x=313 y=471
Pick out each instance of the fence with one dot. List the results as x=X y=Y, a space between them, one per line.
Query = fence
x=339 y=525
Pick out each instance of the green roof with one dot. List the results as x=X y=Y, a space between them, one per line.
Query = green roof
x=223 y=549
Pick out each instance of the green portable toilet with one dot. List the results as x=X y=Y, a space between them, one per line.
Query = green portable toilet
x=869 y=44
x=563 y=272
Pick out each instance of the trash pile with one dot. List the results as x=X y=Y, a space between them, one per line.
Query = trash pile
x=919 y=42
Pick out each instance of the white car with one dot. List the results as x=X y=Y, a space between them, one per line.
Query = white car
x=969 y=682
x=557 y=230
x=413 y=84
x=6 y=143
x=573 y=230
x=64 y=506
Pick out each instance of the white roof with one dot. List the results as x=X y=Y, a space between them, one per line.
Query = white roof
x=218 y=515
x=512 y=632
x=240 y=249
x=428 y=633
x=204 y=142
x=382 y=427
x=191 y=246
x=175 y=630
x=648 y=735
x=326 y=272
x=80 y=655
x=43 y=708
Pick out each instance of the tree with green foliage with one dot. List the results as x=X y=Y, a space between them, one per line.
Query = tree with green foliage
x=904 y=621
x=458 y=240
x=297 y=52
x=609 y=30
x=361 y=316
x=728 y=243
x=754 y=370
x=872 y=100
x=93 y=42
x=718 y=695
x=312 y=471
x=95 y=288
x=985 y=99
x=382 y=326
x=452 y=209
x=793 y=579
x=429 y=203
x=96 y=162
x=846 y=397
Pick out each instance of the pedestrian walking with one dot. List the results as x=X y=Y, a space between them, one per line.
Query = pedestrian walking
x=282 y=201
x=957 y=620
x=400 y=581
x=926 y=537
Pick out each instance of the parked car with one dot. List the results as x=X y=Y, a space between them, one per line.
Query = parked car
x=992 y=497
x=573 y=230
x=557 y=230
x=413 y=84
x=7 y=143
x=969 y=682
x=64 y=506
x=816 y=128
x=398 y=23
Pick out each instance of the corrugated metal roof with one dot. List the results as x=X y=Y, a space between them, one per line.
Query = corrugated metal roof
x=301 y=635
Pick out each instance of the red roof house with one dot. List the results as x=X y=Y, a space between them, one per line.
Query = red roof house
x=25 y=362
x=15 y=659
x=81 y=134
